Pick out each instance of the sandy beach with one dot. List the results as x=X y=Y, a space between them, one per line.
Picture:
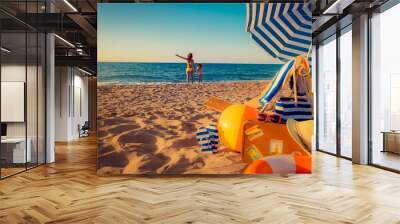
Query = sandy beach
x=151 y=128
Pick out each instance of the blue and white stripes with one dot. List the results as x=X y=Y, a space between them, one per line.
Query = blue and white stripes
x=282 y=29
x=276 y=84
x=287 y=108
x=208 y=138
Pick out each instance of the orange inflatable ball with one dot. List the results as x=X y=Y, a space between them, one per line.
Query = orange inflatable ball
x=230 y=125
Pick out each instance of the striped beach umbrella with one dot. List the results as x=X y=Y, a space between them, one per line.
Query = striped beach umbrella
x=281 y=29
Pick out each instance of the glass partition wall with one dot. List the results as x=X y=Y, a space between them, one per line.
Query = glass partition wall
x=334 y=104
x=385 y=90
x=22 y=107
x=326 y=104
x=345 y=93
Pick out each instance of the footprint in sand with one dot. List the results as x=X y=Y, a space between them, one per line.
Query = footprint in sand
x=199 y=163
x=190 y=141
x=188 y=127
x=102 y=134
x=143 y=136
x=153 y=162
x=123 y=128
x=177 y=168
x=113 y=159
x=114 y=121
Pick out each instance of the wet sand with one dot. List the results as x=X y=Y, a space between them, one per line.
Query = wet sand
x=151 y=129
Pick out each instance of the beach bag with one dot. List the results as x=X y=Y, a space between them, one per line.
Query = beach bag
x=287 y=108
x=208 y=139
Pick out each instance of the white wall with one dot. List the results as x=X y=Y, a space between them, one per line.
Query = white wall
x=71 y=93
x=16 y=73
x=62 y=81
x=33 y=126
x=11 y=73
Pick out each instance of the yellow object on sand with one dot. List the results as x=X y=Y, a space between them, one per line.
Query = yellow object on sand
x=217 y=104
x=230 y=125
x=220 y=105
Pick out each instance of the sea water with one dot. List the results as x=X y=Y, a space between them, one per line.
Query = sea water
x=133 y=72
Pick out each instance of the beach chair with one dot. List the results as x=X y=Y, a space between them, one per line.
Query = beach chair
x=273 y=91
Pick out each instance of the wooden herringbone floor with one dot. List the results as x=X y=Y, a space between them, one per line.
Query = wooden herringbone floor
x=69 y=191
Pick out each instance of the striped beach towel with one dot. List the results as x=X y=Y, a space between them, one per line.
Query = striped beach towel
x=287 y=108
x=208 y=138
x=276 y=84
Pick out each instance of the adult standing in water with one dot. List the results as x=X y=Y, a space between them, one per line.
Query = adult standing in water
x=189 y=67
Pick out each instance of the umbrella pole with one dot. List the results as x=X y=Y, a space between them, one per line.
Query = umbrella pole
x=295 y=86
x=309 y=51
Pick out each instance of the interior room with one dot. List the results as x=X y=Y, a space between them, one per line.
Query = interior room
x=22 y=102
x=77 y=124
x=384 y=89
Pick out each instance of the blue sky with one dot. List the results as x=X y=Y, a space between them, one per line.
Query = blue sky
x=155 y=32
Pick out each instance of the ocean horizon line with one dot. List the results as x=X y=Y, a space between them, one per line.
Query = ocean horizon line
x=161 y=62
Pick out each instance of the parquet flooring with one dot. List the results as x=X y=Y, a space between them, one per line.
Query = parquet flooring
x=70 y=191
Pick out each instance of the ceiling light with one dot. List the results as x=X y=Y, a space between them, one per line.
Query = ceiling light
x=334 y=8
x=70 y=5
x=84 y=71
x=5 y=50
x=65 y=41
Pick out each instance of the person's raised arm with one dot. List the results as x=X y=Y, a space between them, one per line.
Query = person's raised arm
x=181 y=57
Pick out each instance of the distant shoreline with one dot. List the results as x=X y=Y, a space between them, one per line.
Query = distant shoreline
x=101 y=83
x=175 y=72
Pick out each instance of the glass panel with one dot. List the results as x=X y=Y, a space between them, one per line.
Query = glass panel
x=346 y=94
x=13 y=87
x=31 y=88
x=327 y=97
x=31 y=98
x=41 y=99
x=2 y=127
x=23 y=87
x=385 y=84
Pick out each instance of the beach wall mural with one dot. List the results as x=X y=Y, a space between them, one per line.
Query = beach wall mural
x=204 y=88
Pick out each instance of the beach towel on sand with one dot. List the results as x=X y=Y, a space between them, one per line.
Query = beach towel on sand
x=208 y=138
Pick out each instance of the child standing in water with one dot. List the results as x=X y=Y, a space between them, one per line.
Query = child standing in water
x=200 y=72
x=189 y=67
